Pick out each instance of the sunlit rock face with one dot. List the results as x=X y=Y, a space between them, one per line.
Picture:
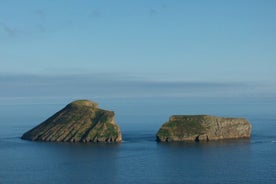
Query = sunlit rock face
x=203 y=128
x=79 y=121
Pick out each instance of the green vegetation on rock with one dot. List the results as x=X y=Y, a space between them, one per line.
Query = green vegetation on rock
x=203 y=128
x=79 y=121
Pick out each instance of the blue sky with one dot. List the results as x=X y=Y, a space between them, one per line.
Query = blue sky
x=212 y=42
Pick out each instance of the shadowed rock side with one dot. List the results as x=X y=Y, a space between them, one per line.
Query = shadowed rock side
x=203 y=128
x=79 y=121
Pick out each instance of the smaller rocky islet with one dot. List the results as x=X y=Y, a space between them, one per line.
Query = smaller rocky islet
x=83 y=121
x=181 y=128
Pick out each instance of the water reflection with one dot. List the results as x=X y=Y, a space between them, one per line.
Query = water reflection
x=209 y=162
x=65 y=162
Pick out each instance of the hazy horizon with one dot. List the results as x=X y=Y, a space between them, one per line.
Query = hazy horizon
x=119 y=86
x=95 y=49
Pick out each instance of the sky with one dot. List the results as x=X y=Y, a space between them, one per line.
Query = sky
x=173 y=48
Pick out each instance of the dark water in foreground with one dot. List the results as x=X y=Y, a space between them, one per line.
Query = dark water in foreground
x=139 y=159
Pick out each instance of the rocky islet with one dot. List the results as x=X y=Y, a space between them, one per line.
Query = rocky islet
x=83 y=121
x=79 y=121
x=181 y=128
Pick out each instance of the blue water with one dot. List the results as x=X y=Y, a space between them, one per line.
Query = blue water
x=139 y=159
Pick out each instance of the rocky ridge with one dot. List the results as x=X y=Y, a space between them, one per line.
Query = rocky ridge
x=79 y=121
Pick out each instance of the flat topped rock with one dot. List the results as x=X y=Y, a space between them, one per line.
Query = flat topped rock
x=79 y=121
x=83 y=103
x=203 y=128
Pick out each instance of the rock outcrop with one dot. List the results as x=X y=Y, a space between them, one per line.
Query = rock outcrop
x=79 y=121
x=203 y=128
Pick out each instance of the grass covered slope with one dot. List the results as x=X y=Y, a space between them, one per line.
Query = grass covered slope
x=203 y=128
x=79 y=121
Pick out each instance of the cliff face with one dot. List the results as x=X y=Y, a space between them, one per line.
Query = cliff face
x=203 y=128
x=79 y=121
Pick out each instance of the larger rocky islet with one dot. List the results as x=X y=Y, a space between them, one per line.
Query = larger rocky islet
x=181 y=128
x=79 y=121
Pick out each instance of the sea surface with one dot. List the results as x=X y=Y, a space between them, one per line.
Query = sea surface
x=139 y=158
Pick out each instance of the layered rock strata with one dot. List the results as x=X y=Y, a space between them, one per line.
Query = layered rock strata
x=203 y=128
x=79 y=121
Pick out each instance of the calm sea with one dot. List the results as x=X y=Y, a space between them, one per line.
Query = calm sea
x=139 y=159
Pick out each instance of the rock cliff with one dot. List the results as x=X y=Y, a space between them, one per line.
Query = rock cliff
x=203 y=128
x=79 y=121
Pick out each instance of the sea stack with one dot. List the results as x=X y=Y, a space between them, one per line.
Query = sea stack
x=181 y=128
x=79 y=121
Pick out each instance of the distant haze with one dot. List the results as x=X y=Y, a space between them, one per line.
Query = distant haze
x=18 y=88
x=76 y=49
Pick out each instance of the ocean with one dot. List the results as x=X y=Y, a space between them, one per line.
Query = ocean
x=139 y=158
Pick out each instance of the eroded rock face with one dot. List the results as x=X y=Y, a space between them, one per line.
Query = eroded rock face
x=79 y=121
x=203 y=128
